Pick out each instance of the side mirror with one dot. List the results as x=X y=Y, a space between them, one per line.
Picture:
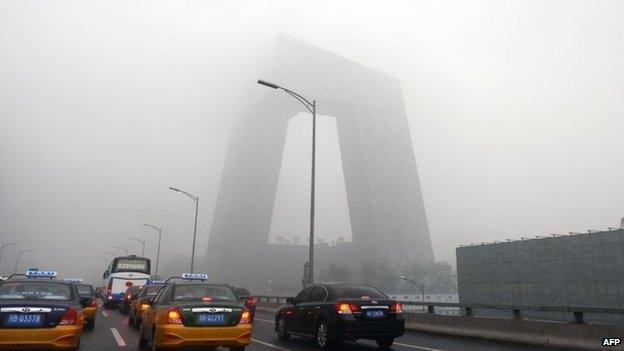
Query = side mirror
x=290 y=301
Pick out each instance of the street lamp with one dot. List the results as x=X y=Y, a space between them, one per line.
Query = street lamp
x=418 y=284
x=158 y=248
x=311 y=106
x=123 y=248
x=142 y=243
x=19 y=254
x=196 y=200
x=3 y=246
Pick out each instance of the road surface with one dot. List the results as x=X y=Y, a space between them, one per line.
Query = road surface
x=112 y=332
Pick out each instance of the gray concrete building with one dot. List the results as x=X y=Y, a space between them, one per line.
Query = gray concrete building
x=386 y=209
x=582 y=270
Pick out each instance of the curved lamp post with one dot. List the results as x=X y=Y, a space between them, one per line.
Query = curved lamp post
x=311 y=106
x=158 y=247
x=196 y=201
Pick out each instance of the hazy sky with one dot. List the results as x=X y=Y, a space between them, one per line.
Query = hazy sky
x=515 y=109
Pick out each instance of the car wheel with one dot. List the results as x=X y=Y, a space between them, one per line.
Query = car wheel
x=384 y=343
x=143 y=342
x=282 y=333
x=89 y=325
x=130 y=319
x=137 y=323
x=322 y=336
x=242 y=348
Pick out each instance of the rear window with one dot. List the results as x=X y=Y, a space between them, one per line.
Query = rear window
x=203 y=292
x=85 y=289
x=133 y=290
x=357 y=292
x=242 y=292
x=35 y=291
x=152 y=290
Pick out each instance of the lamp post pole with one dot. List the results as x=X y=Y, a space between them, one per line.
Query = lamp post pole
x=418 y=284
x=196 y=200
x=158 y=247
x=142 y=245
x=311 y=106
x=19 y=255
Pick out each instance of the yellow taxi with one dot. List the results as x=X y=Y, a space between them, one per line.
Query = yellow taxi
x=141 y=303
x=188 y=312
x=89 y=304
x=37 y=311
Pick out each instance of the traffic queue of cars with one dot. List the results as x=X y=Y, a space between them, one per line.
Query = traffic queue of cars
x=39 y=311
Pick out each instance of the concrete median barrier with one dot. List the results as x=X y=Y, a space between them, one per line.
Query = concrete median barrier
x=564 y=335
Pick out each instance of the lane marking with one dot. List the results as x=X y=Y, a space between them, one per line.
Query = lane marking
x=117 y=336
x=416 y=347
x=263 y=320
x=270 y=345
x=105 y=313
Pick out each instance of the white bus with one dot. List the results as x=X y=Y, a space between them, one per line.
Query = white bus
x=122 y=273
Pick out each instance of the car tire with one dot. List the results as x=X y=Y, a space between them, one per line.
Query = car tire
x=130 y=319
x=322 y=337
x=241 y=348
x=143 y=342
x=89 y=325
x=137 y=323
x=280 y=328
x=385 y=343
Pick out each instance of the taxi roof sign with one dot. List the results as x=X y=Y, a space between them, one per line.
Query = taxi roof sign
x=73 y=280
x=158 y=282
x=41 y=274
x=194 y=276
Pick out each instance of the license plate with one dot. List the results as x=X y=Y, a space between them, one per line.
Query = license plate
x=24 y=320
x=375 y=314
x=210 y=318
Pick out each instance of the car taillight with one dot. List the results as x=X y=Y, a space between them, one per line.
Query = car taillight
x=174 y=316
x=245 y=317
x=70 y=317
x=110 y=297
x=144 y=306
x=396 y=308
x=93 y=303
x=346 y=308
x=251 y=301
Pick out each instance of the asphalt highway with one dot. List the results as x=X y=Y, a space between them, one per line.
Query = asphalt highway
x=112 y=332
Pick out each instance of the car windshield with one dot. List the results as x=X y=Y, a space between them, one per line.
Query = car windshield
x=85 y=289
x=203 y=292
x=152 y=290
x=357 y=292
x=35 y=291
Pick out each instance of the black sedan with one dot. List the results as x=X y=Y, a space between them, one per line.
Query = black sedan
x=333 y=312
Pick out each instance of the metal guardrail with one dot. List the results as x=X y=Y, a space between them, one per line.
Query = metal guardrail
x=468 y=310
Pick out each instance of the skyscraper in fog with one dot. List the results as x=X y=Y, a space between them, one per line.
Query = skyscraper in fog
x=388 y=219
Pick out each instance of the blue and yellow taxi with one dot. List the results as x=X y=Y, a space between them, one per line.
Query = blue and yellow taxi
x=39 y=312
x=189 y=311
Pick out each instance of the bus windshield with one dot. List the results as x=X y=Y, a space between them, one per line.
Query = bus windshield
x=131 y=264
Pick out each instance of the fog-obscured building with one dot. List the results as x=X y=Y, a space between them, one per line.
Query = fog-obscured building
x=388 y=220
x=580 y=270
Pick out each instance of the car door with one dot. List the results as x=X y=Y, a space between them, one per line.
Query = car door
x=298 y=317
x=151 y=315
x=312 y=308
